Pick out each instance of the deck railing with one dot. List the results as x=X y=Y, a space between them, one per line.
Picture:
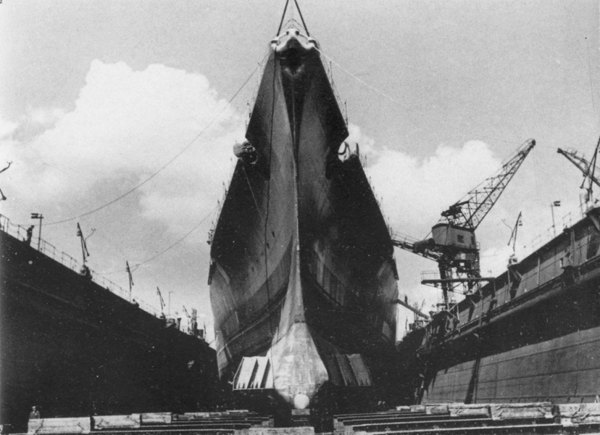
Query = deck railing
x=562 y=223
x=49 y=250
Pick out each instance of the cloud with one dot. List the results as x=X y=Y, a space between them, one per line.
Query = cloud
x=45 y=117
x=7 y=128
x=414 y=191
x=366 y=143
x=126 y=125
x=33 y=123
x=423 y=187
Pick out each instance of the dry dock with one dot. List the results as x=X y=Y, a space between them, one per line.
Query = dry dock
x=443 y=418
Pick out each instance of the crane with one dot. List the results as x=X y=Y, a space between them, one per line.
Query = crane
x=187 y=313
x=588 y=169
x=415 y=310
x=85 y=270
x=189 y=318
x=415 y=246
x=193 y=323
x=513 y=237
x=452 y=244
x=84 y=250
x=420 y=316
x=469 y=211
x=162 y=303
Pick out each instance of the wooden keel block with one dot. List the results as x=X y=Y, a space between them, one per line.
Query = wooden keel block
x=519 y=411
x=277 y=431
x=157 y=418
x=72 y=425
x=579 y=412
x=470 y=410
x=104 y=422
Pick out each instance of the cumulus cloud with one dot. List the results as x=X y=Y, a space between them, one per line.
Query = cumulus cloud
x=413 y=191
x=366 y=143
x=423 y=187
x=124 y=127
x=46 y=117
x=127 y=124
x=6 y=128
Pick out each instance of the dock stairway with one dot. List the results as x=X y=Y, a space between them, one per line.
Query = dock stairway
x=452 y=419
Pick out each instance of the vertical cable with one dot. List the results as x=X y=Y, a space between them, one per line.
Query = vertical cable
x=282 y=17
x=301 y=17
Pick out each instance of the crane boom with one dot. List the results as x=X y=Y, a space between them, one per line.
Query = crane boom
x=411 y=244
x=476 y=204
x=514 y=232
x=161 y=300
x=580 y=162
x=452 y=244
x=405 y=304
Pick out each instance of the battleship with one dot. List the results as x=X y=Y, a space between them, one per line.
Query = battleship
x=302 y=275
x=303 y=286
x=75 y=344
x=527 y=335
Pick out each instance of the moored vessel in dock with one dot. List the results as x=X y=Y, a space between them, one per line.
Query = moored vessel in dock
x=302 y=277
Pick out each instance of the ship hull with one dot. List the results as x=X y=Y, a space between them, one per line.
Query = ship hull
x=302 y=260
x=532 y=337
x=73 y=348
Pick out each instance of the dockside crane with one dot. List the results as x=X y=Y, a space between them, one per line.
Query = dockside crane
x=588 y=169
x=189 y=318
x=452 y=243
x=85 y=270
x=513 y=235
x=193 y=323
x=415 y=310
x=162 y=303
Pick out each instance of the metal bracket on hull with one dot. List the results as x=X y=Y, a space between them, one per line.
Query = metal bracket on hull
x=254 y=373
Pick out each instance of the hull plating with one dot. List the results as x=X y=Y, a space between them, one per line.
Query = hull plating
x=302 y=259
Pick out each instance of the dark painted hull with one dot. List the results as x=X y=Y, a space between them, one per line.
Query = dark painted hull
x=302 y=259
x=535 y=338
x=73 y=348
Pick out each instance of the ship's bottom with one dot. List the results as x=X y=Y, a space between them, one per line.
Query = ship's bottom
x=320 y=358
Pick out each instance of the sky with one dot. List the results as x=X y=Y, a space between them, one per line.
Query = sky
x=121 y=115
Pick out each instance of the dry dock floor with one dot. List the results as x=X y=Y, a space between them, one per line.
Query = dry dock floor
x=446 y=419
